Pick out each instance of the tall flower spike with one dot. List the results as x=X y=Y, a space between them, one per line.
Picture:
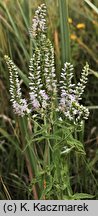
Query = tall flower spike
x=39 y=22
x=49 y=69
x=82 y=84
x=35 y=80
x=43 y=82
x=66 y=78
x=19 y=105
x=66 y=87
x=70 y=95
x=38 y=96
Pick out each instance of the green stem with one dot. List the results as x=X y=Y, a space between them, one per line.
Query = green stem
x=29 y=152
x=47 y=146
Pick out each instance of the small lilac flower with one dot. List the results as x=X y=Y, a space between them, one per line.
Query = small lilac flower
x=35 y=104
x=43 y=94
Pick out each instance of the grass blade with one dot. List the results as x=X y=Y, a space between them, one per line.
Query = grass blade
x=23 y=15
x=91 y=5
x=23 y=77
x=65 y=41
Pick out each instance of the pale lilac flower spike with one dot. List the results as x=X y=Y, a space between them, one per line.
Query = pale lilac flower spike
x=19 y=105
x=39 y=22
x=71 y=94
x=45 y=93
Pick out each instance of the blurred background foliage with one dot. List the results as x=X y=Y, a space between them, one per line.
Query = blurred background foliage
x=15 y=21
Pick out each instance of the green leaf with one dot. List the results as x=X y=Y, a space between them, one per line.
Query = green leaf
x=78 y=196
x=75 y=143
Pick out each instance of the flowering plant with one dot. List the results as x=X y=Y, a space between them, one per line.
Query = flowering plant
x=51 y=114
x=43 y=83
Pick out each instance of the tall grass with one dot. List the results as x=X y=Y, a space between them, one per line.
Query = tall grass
x=64 y=26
